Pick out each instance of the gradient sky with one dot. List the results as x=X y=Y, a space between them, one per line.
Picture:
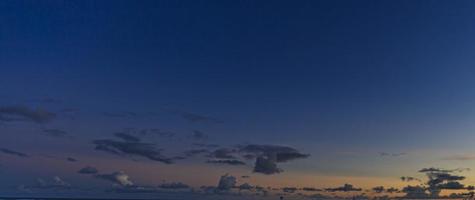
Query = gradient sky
x=371 y=90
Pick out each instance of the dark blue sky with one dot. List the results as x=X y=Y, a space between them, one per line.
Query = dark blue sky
x=324 y=77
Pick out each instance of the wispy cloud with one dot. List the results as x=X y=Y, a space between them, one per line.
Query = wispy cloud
x=23 y=113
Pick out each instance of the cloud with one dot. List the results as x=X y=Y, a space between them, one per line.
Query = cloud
x=55 y=132
x=245 y=186
x=146 y=150
x=13 y=153
x=459 y=158
x=174 y=186
x=211 y=146
x=55 y=183
x=266 y=165
x=226 y=183
x=126 y=114
x=386 y=154
x=198 y=135
x=228 y=162
x=22 y=113
x=127 y=137
x=88 y=170
x=194 y=152
x=440 y=179
x=344 y=188
x=267 y=156
x=378 y=189
x=409 y=179
x=223 y=153
x=119 y=178
x=415 y=192
x=311 y=189
x=198 y=118
x=71 y=159
x=158 y=132
x=289 y=189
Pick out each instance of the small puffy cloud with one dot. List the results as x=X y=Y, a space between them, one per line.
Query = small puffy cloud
x=146 y=150
x=344 y=188
x=88 y=170
x=119 y=178
x=226 y=183
x=55 y=183
x=13 y=153
x=310 y=189
x=23 y=113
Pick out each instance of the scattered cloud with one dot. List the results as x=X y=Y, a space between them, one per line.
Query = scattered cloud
x=267 y=157
x=409 y=179
x=386 y=154
x=226 y=183
x=71 y=159
x=345 y=188
x=198 y=118
x=55 y=132
x=227 y=162
x=88 y=170
x=199 y=135
x=127 y=137
x=23 y=113
x=174 y=186
x=13 y=153
x=146 y=150
x=119 y=178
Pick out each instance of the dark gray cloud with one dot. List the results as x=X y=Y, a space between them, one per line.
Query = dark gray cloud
x=289 y=189
x=310 y=189
x=174 y=186
x=266 y=165
x=127 y=137
x=226 y=182
x=378 y=189
x=409 y=179
x=245 y=186
x=223 y=153
x=146 y=150
x=392 y=190
x=227 y=162
x=199 y=135
x=157 y=132
x=71 y=159
x=267 y=156
x=55 y=132
x=22 y=113
x=443 y=179
x=13 y=153
x=88 y=170
x=415 y=192
x=344 y=188
x=119 y=178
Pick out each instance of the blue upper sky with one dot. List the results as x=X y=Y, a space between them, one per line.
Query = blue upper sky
x=341 y=81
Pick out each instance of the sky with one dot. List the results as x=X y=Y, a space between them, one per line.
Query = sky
x=236 y=99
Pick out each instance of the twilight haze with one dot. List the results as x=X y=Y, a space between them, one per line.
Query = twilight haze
x=237 y=99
